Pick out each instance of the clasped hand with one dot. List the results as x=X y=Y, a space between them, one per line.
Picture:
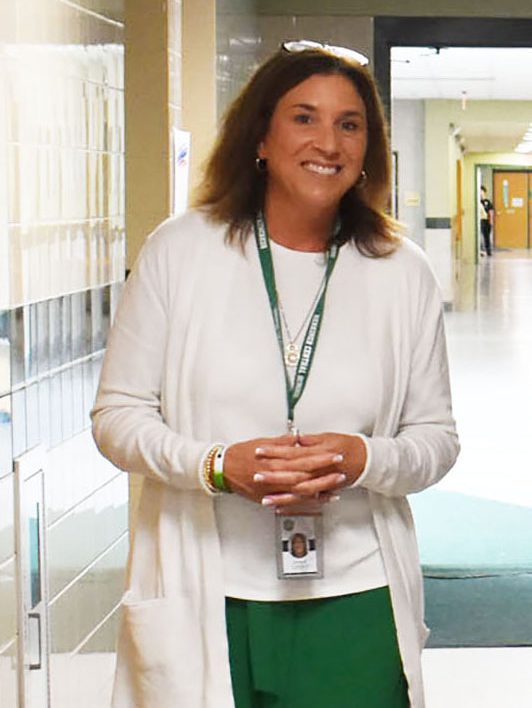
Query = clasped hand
x=291 y=472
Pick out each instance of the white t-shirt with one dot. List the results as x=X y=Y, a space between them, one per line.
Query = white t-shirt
x=341 y=396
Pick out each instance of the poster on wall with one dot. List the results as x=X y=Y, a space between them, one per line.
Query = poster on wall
x=180 y=170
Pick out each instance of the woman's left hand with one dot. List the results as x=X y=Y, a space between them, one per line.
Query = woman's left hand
x=322 y=480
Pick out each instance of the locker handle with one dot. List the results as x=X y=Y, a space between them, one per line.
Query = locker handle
x=37 y=616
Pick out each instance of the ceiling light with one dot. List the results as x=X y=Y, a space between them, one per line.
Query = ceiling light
x=525 y=146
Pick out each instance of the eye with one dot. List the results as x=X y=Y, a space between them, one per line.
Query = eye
x=350 y=125
x=303 y=118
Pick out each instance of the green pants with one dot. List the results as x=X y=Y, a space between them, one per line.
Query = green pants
x=338 y=652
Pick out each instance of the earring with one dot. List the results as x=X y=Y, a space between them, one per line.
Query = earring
x=362 y=179
x=260 y=164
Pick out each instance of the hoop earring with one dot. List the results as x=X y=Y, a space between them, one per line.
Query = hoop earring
x=362 y=179
x=260 y=164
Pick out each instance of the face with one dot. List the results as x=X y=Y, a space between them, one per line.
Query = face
x=299 y=547
x=315 y=144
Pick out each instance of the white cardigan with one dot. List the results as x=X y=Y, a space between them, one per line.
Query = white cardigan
x=172 y=650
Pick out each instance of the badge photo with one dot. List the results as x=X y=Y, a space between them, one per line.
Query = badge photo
x=299 y=546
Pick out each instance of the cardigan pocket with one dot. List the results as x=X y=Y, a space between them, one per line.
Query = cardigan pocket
x=163 y=650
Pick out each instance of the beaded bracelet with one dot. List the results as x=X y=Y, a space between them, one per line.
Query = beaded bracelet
x=204 y=471
x=211 y=470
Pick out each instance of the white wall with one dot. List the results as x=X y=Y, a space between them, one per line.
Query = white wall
x=408 y=140
x=237 y=45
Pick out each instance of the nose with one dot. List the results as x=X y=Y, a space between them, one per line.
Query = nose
x=326 y=138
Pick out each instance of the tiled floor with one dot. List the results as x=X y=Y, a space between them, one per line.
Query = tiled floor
x=490 y=346
x=478 y=678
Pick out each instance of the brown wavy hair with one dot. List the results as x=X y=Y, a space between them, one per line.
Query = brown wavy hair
x=233 y=190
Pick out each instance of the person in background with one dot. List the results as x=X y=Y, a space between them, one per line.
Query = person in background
x=486 y=219
x=279 y=351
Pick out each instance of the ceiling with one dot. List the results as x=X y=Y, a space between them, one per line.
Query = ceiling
x=469 y=74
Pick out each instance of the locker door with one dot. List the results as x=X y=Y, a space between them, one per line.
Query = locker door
x=31 y=572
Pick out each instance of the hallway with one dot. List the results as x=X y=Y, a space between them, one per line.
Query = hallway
x=489 y=331
x=490 y=348
x=70 y=227
x=477 y=561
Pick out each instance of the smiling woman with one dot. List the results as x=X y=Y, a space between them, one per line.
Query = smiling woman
x=234 y=190
x=315 y=149
x=276 y=349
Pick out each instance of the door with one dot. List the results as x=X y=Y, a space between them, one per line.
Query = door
x=31 y=573
x=510 y=191
x=459 y=207
x=530 y=209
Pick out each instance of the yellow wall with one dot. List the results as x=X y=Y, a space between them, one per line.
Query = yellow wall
x=199 y=94
x=147 y=121
x=170 y=83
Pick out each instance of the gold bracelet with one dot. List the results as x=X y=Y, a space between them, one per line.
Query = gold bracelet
x=212 y=478
x=206 y=471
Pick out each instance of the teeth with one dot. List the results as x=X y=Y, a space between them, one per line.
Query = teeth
x=320 y=169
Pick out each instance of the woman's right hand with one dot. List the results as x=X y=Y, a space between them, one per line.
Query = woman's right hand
x=286 y=465
x=241 y=465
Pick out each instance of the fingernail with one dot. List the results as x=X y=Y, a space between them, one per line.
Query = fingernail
x=341 y=478
x=259 y=451
x=258 y=477
x=266 y=501
x=338 y=458
x=334 y=498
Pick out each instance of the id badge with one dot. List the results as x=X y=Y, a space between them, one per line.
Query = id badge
x=299 y=546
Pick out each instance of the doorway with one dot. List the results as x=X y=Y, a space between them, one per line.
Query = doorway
x=457 y=521
x=512 y=213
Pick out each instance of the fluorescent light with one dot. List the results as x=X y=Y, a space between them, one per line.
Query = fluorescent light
x=525 y=146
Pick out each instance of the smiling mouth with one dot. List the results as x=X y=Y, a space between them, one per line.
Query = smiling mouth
x=316 y=168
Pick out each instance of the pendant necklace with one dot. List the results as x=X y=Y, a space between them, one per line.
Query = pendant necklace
x=291 y=346
x=290 y=353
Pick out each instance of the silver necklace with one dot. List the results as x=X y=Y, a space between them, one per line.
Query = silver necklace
x=291 y=346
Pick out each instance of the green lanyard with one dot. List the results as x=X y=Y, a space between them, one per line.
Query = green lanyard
x=294 y=390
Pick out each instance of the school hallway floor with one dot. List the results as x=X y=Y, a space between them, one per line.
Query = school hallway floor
x=489 y=330
x=478 y=678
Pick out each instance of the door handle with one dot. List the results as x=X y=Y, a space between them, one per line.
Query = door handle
x=36 y=616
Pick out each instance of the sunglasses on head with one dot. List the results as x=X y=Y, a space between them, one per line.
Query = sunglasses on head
x=305 y=45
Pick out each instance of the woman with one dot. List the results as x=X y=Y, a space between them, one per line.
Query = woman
x=275 y=350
